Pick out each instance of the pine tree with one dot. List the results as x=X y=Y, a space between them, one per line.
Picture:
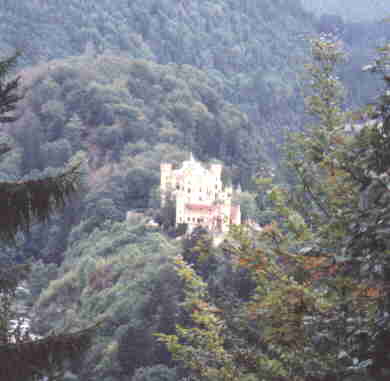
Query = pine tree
x=23 y=203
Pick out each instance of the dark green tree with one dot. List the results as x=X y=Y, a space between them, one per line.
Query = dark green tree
x=8 y=91
x=23 y=203
x=367 y=247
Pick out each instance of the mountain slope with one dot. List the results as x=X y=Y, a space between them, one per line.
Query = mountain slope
x=252 y=46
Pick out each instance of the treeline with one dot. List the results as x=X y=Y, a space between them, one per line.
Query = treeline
x=253 y=48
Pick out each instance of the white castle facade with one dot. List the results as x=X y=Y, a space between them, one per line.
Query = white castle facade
x=200 y=197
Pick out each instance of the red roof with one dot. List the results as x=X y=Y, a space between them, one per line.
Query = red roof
x=199 y=207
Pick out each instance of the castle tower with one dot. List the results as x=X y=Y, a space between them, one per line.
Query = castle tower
x=200 y=197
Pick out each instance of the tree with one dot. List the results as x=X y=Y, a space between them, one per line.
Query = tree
x=320 y=310
x=23 y=203
x=367 y=247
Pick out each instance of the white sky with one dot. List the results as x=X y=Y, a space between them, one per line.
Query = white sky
x=352 y=9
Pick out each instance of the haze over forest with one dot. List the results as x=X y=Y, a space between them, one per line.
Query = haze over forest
x=359 y=10
x=263 y=87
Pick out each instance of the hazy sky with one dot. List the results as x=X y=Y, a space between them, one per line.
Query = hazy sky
x=352 y=9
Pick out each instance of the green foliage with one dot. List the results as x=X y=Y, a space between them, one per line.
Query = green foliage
x=24 y=202
x=197 y=251
x=167 y=214
x=138 y=101
x=234 y=43
x=147 y=82
x=119 y=274
x=32 y=205
x=107 y=112
x=248 y=206
x=9 y=95
x=203 y=349
x=317 y=307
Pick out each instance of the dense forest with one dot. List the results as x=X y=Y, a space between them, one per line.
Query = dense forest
x=121 y=87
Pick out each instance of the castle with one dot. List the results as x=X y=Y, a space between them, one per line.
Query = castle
x=200 y=197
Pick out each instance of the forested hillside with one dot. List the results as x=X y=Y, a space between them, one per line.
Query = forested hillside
x=126 y=116
x=122 y=117
x=253 y=48
x=123 y=86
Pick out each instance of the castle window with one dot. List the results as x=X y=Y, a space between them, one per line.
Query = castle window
x=177 y=186
x=189 y=190
x=188 y=219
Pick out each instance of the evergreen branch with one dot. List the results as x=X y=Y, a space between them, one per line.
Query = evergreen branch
x=7 y=64
x=9 y=97
x=310 y=192
x=23 y=202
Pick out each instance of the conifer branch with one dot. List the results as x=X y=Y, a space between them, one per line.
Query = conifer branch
x=24 y=202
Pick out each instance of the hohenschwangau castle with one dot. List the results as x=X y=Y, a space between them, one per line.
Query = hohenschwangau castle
x=201 y=198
